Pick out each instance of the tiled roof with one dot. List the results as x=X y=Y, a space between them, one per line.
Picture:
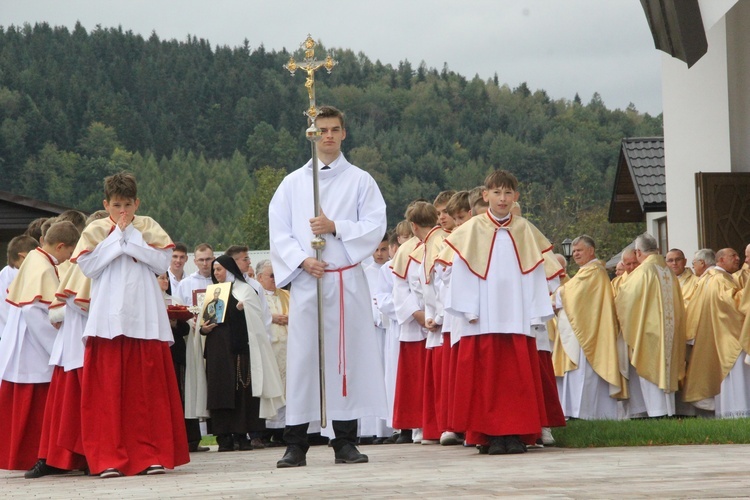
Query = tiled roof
x=640 y=185
x=645 y=160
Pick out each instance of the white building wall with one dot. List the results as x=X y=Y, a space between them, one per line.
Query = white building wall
x=738 y=62
x=696 y=131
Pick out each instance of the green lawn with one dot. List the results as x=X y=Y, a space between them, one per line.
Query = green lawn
x=652 y=432
x=642 y=432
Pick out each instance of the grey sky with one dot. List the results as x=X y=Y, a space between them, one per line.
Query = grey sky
x=561 y=46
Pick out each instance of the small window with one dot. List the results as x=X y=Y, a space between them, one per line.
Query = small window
x=661 y=227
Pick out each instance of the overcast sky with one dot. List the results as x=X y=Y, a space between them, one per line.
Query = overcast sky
x=561 y=46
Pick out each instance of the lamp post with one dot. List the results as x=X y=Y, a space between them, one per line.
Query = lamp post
x=566 y=249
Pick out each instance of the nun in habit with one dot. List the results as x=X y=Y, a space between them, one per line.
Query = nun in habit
x=244 y=385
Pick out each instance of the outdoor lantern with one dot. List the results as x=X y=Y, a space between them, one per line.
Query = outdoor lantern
x=566 y=248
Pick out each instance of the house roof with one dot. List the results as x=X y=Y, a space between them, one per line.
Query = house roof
x=16 y=212
x=640 y=185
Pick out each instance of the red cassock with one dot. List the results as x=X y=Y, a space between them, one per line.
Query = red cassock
x=131 y=412
x=21 y=414
x=553 y=413
x=61 y=443
x=498 y=388
x=432 y=424
x=407 y=406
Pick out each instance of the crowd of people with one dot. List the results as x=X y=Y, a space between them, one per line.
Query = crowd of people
x=458 y=327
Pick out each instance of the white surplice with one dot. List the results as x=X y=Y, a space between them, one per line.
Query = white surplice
x=350 y=197
x=6 y=278
x=384 y=297
x=507 y=299
x=408 y=299
x=375 y=426
x=68 y=349
x=195 y=281
x=125 y=296
x=26 y=345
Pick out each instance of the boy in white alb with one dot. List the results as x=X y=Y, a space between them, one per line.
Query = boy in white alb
x=498 y=284
x=130 y=404
x=25 y=348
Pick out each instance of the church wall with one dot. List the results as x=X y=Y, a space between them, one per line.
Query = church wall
x=738 y=62
x=696 y=131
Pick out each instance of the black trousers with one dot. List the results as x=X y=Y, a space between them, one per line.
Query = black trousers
x=193 y=428
x=344 y=430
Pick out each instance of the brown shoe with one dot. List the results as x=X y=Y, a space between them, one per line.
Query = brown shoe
x=257 y=443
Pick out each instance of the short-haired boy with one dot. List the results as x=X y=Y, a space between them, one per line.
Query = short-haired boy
x=60 y=447
x=498 y=284
x=25 y=348
x=18 y=248
x=176 y=269
x=130 y=404
x=440 y=203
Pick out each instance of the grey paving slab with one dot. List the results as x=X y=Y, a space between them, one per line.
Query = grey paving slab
x=409 y=471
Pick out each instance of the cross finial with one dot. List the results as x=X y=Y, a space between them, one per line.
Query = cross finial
x=310 y=65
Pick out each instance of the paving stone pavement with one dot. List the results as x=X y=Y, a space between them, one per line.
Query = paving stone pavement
x=410 y=470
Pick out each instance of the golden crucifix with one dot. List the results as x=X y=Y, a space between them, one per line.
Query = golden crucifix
x=310 y=65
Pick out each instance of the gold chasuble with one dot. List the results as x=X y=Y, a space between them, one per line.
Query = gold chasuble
x=473 y=241
x=617 y=281
x=688 y=283
x=589 y=304
x=743 y=275
x=560 y=361
x=37 y=279
x=97 y=231
x=715 y=322
x=400 y=262
x=652 y=318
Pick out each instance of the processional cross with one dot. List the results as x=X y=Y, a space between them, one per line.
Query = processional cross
x=310 y=65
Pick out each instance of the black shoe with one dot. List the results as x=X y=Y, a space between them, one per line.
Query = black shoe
x=404 y=437
x=497 y=445
x=294 y=457
x=243 y=444
x=392 y=438
x=225 y=442
x=349 y=454
x=41 y=469
x=366 y=440
x=514 y=445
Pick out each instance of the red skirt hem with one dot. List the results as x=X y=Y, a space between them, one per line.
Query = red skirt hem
x=408 y=401
x=432 y=426
x=21 y=414
x=498 y=386
x=553 y=415
x=61 y=443
x=130 y=406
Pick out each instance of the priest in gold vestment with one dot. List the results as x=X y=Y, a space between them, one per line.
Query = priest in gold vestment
x=677 y=262
x=278 y=304
x=717 y=366
x=587 y=327
x=652 y=318
x=742 y=276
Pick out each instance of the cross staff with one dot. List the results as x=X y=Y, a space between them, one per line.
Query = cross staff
x=310 y=65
